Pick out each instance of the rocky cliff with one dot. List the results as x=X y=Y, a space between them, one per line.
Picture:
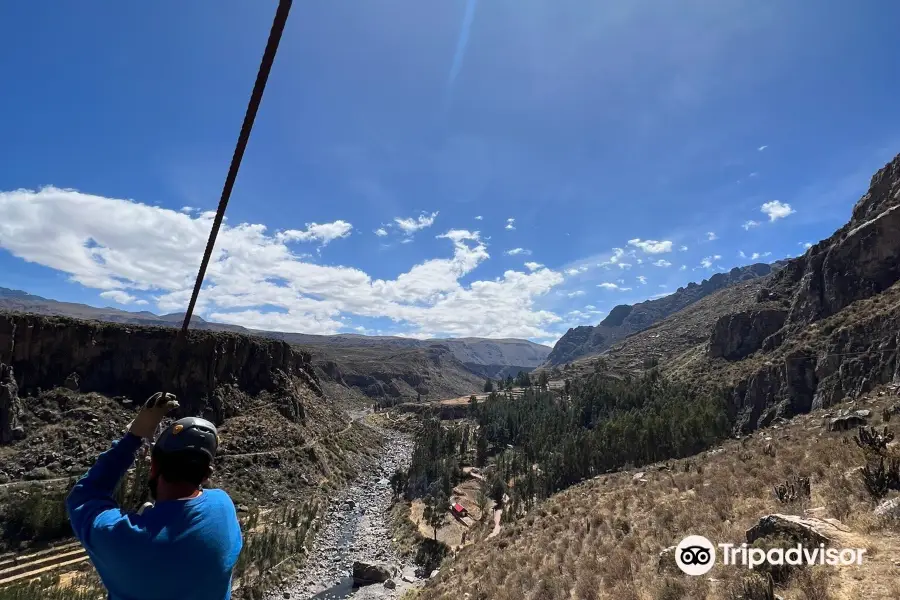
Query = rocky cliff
x=481 y=356
x=831 y=328
x=134 y=361
x=824 y=327
x=624 y=320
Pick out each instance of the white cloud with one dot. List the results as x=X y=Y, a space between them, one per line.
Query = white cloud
x=750 y=224
x=806 y=245
x=756 y=255
x=479 y=218
x=188 y=209
x=741 y=254
x=684 y=248
x=640 y=261
x=121 y=297
x=381 y=232
x=624 y=265
x=642 y=279
x=711 y=236
x=682 y=268
x=662 y=263
x=517 y=251
x=663 y=286
x=625 y=289
x=776 y=210
x=753 y=174
x=510 y=223
x=533 y=266
x=576 y=293
x=707 y=262
x=608 y=286
x=651 y=246
x=323 y=233
x=763 y=147
x=589 y=307
x=572 y=271
x=254 y=277
x=411 y=225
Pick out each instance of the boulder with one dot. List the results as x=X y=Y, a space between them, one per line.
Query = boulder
x=808 y=531
x=846 y=423
x=389 y=584
x=365 y=573
x=889 y=509
x=739 y=335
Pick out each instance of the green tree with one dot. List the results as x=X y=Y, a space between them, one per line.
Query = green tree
x=498 y=490
x=398 y=482
x=509 y=382
x=436 y=508
x=543 y=381
x=488 y=386
x=483 y=499
x=481 y=448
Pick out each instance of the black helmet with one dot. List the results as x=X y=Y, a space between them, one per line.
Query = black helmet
x=189 y=434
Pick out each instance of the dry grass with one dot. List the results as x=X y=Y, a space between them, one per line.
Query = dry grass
x=601 y=539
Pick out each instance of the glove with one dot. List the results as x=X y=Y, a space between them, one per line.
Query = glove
x=152 y=413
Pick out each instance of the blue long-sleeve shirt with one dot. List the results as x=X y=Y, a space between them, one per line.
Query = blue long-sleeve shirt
x=179 y=549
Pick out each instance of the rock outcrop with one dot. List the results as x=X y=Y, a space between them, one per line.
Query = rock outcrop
x=808 y=531
x=828 y=326
x=741 y=334
x=134 y=361
x=860 y=260
x=624 y=320
x=10 y=407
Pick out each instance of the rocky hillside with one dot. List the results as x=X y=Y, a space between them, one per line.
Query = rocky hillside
x=68 y=387
x=479 y=357
x=824 y=327
x=626 y=319
x=393 y=376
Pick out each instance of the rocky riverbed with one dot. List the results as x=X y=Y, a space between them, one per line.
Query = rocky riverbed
x=356 y=528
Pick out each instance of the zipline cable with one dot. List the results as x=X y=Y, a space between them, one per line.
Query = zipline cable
x=281 y=15
x=262 y=76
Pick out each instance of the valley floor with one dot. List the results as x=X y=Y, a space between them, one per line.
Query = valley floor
x=355 y=527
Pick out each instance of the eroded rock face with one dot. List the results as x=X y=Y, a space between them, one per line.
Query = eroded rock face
x=10 y=407
x=137 y=361
x=860 y=260
x=841 y=331
x=738 y=335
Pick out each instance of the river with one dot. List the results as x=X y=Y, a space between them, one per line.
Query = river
x=355 y=528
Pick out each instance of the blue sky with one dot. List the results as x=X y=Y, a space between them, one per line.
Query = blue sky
x=596 y=126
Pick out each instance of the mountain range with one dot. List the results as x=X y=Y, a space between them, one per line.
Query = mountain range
x=626 y=319
x=375 y=365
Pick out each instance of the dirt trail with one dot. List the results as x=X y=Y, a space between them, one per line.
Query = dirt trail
x=497 y=515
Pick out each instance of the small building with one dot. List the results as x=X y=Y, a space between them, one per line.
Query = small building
x=459 y=510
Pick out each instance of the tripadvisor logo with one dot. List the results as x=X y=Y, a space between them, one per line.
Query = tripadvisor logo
x=696 y=555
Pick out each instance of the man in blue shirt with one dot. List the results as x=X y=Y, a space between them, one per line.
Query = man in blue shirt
x=185 y=546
